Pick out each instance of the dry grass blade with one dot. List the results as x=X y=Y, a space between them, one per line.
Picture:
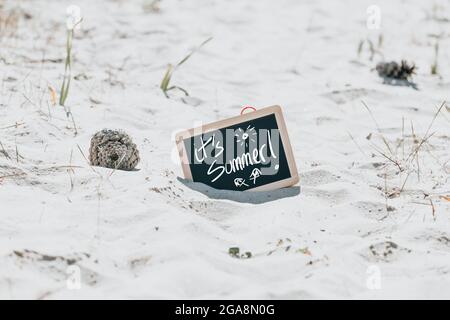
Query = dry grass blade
x=88 y=162
x=4 y=151
x=433 y=209
x=426 y=135
x=409 y=164
x=12 y=175
x=117 y=165
x=434 y=66
x=397 y=164
x=71 y=171
x=16 y=125
x=371 y=48
x=52 y=95
x=378 y=128
x=357 y=145
x=9 y=21
x=404 y=183
x=360 y=47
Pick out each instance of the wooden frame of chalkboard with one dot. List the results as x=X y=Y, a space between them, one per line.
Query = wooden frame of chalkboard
x=276 y=110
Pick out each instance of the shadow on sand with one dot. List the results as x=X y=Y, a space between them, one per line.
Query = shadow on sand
x=256 y=197
x=400 y=83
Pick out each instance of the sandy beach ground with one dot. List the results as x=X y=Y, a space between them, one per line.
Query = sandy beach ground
x=372 y=218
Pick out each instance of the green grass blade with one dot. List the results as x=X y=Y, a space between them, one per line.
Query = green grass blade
x=193 y=51
x=166 y=80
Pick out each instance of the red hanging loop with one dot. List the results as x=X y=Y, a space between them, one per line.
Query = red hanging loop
x=246 y=108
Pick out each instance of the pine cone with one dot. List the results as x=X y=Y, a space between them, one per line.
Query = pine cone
x=394 y=70
x=113 y=149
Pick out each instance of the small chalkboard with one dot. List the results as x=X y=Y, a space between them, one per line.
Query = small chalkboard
x=248 y=152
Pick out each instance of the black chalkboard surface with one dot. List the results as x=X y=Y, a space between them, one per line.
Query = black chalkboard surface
x=247 y=152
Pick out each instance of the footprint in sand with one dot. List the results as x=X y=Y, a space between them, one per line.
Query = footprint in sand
x=214 y=210
x=344 y=96
x=327 y=197
x=317 y=177
x=435 y=240
x=325 y=120
x=385 y=251
x=374 y=210
x=55 y=267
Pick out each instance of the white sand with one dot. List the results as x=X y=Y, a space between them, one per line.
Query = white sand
x=145 y=234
